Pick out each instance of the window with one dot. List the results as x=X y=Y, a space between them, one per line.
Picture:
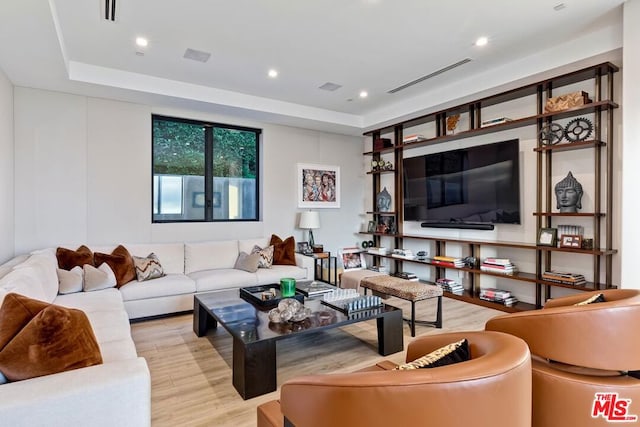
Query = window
x=204 y=171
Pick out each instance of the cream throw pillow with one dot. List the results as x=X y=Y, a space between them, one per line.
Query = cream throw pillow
x=70 y=281
x=247 y=262
x=95 y=279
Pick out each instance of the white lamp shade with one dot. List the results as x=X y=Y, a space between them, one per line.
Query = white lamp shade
x=309 y=220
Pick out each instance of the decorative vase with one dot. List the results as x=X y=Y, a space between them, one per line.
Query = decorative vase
x=383 y=200
x=287 y=287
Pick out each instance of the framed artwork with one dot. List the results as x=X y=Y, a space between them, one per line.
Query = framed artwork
x=547 y=237
x=318 y=186
x=571 y=241
x=352 y=259
x=303 y=248
x=371 y=228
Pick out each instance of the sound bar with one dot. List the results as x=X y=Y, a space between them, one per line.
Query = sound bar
x=461 y=225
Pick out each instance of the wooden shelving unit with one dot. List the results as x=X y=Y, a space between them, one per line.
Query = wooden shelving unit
x=602 y=107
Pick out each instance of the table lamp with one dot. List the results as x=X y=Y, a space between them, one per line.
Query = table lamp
x=309 y=220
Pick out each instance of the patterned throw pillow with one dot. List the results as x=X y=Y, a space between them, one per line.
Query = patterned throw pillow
x=449 y=354
x=591 y=300
x=148 y=268
x=266 y=256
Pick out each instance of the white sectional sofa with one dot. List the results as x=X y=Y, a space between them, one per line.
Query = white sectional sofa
x=118 y=392
x=195 y=268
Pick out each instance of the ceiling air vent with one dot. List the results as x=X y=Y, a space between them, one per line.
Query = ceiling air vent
x=197 y=55
x=110 y=10
x=330 y=86
x=428 y=76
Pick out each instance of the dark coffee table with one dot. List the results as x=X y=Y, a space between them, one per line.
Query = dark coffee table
x=254 y=337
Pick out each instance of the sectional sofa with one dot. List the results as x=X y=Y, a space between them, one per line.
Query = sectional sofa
x=118 y=391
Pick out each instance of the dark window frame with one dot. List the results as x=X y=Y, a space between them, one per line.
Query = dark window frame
x=208 y=162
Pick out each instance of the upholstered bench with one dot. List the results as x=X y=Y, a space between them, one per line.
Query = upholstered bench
x=409 y=291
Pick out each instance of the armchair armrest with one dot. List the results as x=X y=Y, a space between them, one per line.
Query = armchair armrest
x=576 y=334
x=308 y=263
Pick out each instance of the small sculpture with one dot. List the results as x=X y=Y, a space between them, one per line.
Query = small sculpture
x=568 y=194
x=383 y=200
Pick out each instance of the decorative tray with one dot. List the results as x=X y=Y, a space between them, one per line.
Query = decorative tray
x=253 y=294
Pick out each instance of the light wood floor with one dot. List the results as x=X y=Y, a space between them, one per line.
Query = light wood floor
x=191 y=376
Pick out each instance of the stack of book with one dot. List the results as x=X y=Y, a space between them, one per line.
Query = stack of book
x=413 y=138
x=406 y=275
x=564 y=278
x=498 y=295
x=574 y=230
x=447 y=261
x=403 y=253
x=498 y=265
x=450 y=285
x=378 y=251
x=379 y=268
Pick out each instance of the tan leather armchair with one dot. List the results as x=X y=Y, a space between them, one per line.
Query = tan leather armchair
x=493 y=389
x=579 y=351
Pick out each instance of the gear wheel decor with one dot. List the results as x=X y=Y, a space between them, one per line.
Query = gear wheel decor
x=551 y=134
x=578 y=129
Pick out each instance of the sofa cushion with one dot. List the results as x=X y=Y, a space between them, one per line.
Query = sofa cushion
x=246 y=245
x=56 y=339
x=96 y=279
x=68 y=258
x=121 y=262
x=8 y=266
x=222 y=278
x=266 y=256
x=247 y=262
x=148 y=268
x=593 y=299
x=24 y=281
x=42 y=265
x=209 y=255
x=284 y=251
x=449 y=354
x=70 y=281
x=171 y=284
x=16 y=311
x=171 y=255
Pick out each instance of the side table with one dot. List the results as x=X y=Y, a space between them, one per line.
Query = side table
x=325 y=260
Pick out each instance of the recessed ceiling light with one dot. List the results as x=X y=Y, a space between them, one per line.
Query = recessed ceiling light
x=142 y=42
x=273 y=73
x=363 y=94
x=482 y=41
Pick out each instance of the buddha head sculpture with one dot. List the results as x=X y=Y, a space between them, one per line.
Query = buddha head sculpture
x=568 y=194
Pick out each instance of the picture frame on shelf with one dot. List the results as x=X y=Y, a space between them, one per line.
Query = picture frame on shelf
x=352 y=259
x=571 y=241
x=304 y=248
x=547 y=237
x=371 y=228
x=318 y=186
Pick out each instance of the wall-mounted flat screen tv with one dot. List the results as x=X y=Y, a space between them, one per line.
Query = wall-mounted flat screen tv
x=475 y=185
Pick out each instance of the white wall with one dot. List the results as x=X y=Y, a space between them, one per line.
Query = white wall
x=631 y=145
x=6 y=168
x=83 y=175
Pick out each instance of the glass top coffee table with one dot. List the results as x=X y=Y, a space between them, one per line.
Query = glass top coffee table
x=255 y=337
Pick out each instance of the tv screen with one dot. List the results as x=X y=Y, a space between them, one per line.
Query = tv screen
x=471 y=185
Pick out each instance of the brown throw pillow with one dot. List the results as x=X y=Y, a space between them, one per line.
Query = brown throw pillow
x=56 y=339
x=16 y=311
x=121 y=262
x=67 y=258
x=284 y=252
